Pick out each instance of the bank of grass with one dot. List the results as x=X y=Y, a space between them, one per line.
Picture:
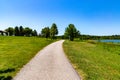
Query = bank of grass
x=94 y=61
x=16 y=52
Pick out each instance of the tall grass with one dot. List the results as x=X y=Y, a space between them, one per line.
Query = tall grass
x=94 y=61
x=16 y=52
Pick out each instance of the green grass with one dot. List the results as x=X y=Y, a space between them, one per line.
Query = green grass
x=94 y=61
x=17 y=51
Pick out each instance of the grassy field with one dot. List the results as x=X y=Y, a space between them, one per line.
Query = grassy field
x=16 y=52
x=94 y=61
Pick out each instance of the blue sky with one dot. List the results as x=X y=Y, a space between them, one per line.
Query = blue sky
x=94 y=17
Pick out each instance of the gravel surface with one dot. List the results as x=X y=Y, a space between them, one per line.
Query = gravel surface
x=49 y=64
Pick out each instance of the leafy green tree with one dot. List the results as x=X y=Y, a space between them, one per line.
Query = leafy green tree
x=10 y=31
x=71 y=32
x=45 y=32
x=53 y=31
x=34 y=33
x=17 y=32
x=21 y=31
x=28 y=31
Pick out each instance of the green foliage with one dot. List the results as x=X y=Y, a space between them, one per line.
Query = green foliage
x=10 y=31
x=92 y=37
x=15 y=52
x=53 y=31
x=71 y=32
x=94 y=61
x=21 y=30
x=17 y=32
x=27 y=31
x=45 y=32
x=34 y=33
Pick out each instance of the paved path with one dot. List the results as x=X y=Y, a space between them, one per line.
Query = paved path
x=49 y=64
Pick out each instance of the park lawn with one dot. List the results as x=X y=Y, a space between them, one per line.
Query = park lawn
x=94 y=61
x=17 y=51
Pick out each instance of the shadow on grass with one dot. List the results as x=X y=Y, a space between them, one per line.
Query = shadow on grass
x=5 y=78
x=6 y=71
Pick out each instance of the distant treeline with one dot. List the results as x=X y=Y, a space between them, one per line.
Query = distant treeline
x=26 y=31
x=47 y=32
x=19 y=31
x=51 y=32
x=91 y=37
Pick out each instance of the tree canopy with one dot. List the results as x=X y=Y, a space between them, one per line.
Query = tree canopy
x=20 y=31
x=27 y=31
x=10 y=31
x=53 y=30
x=71 y=32
x=50 y=32
x=34 y=33
x=45 y=32
x=17 y=31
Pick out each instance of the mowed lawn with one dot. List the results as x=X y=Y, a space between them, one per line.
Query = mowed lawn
x=16 y=52
x=94 y=61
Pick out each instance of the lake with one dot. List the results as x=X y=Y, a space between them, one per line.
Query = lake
x=114 y=41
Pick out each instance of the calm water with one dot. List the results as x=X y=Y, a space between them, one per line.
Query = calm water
x=114 y=41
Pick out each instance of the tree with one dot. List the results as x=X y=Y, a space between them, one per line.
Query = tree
x=34 y=33
x=71 y=32
x=53 y=30
x=28 y=31
x=21 y=31
x=17 y=32
x=1 y=32
x=45 y=32
x=10 y=31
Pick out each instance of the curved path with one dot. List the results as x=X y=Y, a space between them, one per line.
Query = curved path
x=49 y=64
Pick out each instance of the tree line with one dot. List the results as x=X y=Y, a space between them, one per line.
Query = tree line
x=70 y=33
x=92 y=37
x=48 y=32
x=20 y=31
